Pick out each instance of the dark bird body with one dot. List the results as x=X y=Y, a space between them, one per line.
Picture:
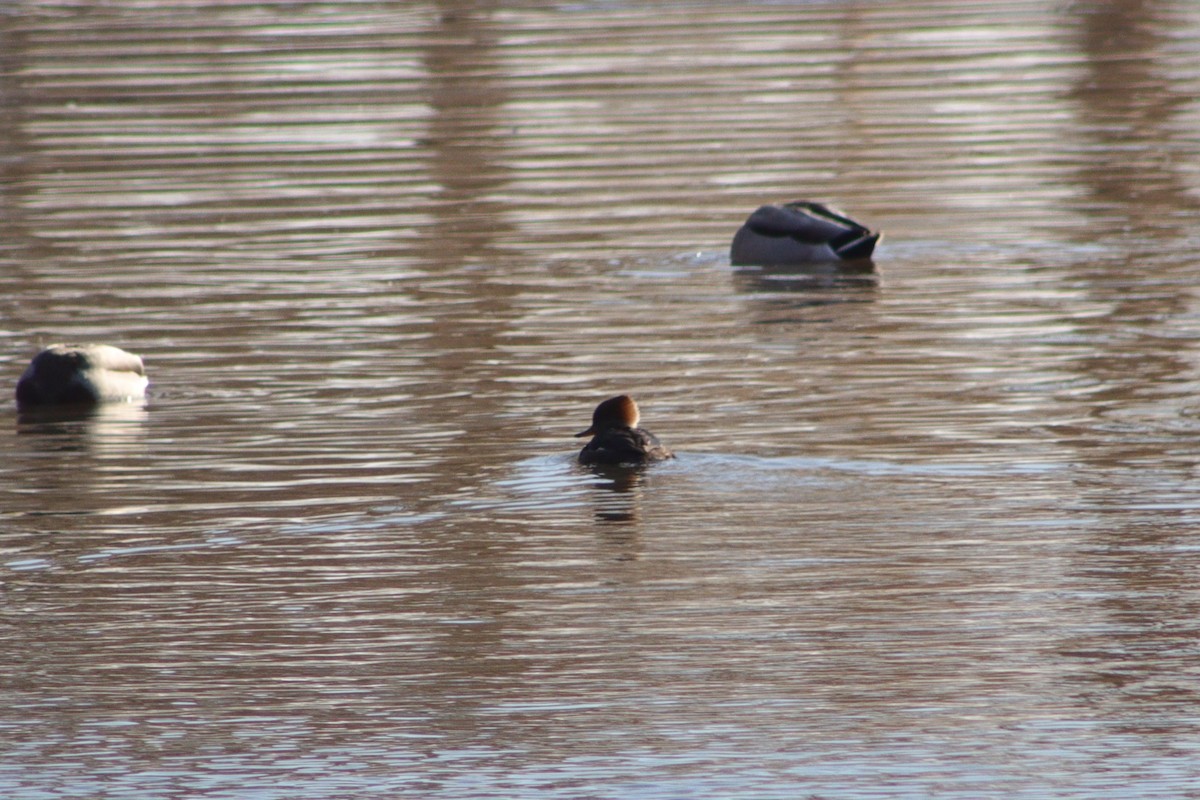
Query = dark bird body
x=800 y=233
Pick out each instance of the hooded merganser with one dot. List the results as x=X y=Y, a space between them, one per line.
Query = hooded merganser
x=800 y=233
x=616 y=438
x=81 y=374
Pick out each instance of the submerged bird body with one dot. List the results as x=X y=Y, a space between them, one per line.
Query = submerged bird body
x=68 y=374
x=616 y=438
x=800 y=233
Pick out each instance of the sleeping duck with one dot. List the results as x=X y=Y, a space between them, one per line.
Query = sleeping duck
x=800 y=233
x=81 y=374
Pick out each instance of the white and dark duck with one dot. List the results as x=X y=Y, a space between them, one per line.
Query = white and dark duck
x=800 y=233
x=81 y=375
x=616 y=437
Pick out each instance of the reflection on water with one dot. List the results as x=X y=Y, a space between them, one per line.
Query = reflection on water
x=622 y=495
x=110 y=428
x=779 y=292
x=930 y=530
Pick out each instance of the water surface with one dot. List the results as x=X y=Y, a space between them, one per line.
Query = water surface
x=931 y=531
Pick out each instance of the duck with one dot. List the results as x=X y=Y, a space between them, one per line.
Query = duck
x=800 y=232
x=616 y=437
x=82 y=375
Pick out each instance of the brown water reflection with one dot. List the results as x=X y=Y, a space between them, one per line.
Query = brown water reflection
x=930 y=527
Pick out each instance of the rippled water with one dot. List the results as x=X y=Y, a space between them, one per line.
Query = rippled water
x=932 y=528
